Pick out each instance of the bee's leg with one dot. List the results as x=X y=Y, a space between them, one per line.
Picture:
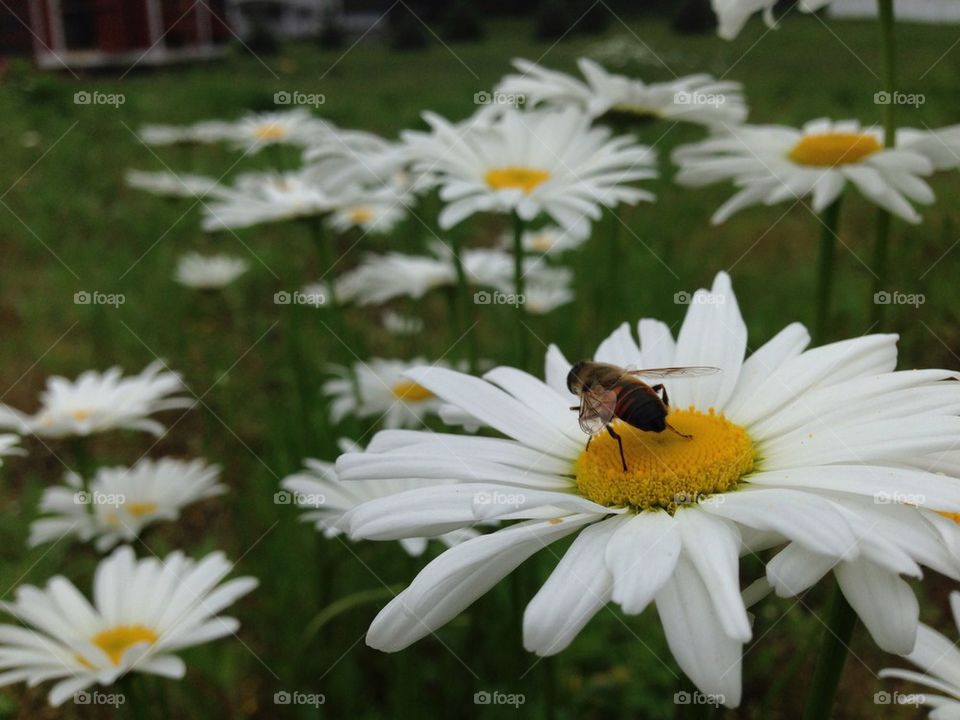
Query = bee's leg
x=616 y=437
x=673 y=429
x=589 y=438
x=663 y=393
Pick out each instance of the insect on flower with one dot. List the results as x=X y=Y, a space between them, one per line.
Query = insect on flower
x=608 y=391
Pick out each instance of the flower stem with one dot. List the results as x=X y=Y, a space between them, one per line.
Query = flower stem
x=462 y=303
x=881 y=245
x=830 y=220
x=518 y=290
x=833 y=653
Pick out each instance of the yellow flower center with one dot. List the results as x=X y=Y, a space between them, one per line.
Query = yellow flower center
x=516 y=177
x=139 y=509
x=665 y=470
x=81 y=415
x=834 y=148
x=117 y=640
x=409 y=391
x=542 y=242
x=361 y=215
x=270 y=131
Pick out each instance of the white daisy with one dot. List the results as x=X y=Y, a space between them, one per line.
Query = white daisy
x=376 y=213
x=172 y=185
x=380 y=278
x=119 y=502
x=774 y=163
x=548 y=162
x=143 y=612
x=939 y=659
x=259 y=198
x=732 y=15
x=385 y=393
x=356 y=158
x=788 y=446
x=548 y=240
x=397 y=324
x=204 y=132
x=209 y=272
x=289 y=127
x=96 y=402
x=546 y=289
x=695 y=98
x=318 y=489
x=10 y=445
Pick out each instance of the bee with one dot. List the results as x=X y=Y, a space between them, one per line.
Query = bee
x=609 y=391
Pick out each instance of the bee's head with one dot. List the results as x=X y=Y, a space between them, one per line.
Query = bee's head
x=575 y=381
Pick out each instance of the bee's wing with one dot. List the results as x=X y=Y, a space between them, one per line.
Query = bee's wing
x=597 y=408
x=675 y=372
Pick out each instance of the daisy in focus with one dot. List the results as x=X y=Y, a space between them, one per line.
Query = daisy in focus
x=698 y=99
x=96 y=402
x=550 y=162
x=788 y=448
x=318 y=491
x=209 y=272
x=143 y=612
x=939 y=660
x=119 y=502
x=773 y=163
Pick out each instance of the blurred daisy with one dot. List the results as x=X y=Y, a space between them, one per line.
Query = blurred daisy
x=548 y=162
x=354 y=158
x=144 y=611
x=397 y=324
x=377 y=213
x=289 y=127
x=384 y=393
x=172 y=185
x=788 y=446
x=10 y=445
x=695 y=98
x=259 y=198
x=774 y=163
x=96 y=402
x=380 y=278
x=209 y=272
x=732 y=15
x=939 y=659
x=548 y=240
x=318 y=490
x=203 y=132
x=547 y=289
x=120 y=502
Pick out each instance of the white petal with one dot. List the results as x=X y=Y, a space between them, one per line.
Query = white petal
x=642 y=555
x=885 y=603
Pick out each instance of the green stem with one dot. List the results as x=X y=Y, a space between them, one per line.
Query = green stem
x=518 y=289
x=828 y=238
x=462 y=302
x=833 y=653
x=881 y=245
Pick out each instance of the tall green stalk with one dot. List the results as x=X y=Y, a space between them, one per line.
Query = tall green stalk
x=825 y=271
x=833 y=654
x=881 y=247
x=518 y=289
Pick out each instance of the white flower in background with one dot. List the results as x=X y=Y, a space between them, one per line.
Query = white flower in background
x=119 y=502
x=257 y=198
x=732 y=15
x=550 y=162
x=143 y=612
x=398 y=324
x=941 y=146
x=203 y=132
x=546 y=289
x=172 y=185
x=380 y=278
x=289 y=127
x=773 y=163
x=695 y=98
x=209 y=272
x=316 y=294
x=373 y=212
x=788 y=446
x=939 y=659
x=385 y=393
x=548 y=240
x=349 y=158
x=96 y=402
x=318 y=490
x=10 y=445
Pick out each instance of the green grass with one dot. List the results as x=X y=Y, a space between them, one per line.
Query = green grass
x=71 y=225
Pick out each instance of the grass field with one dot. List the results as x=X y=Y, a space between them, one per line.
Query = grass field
x=69 y=224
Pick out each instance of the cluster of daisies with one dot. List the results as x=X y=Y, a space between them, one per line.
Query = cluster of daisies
x=144 y=608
